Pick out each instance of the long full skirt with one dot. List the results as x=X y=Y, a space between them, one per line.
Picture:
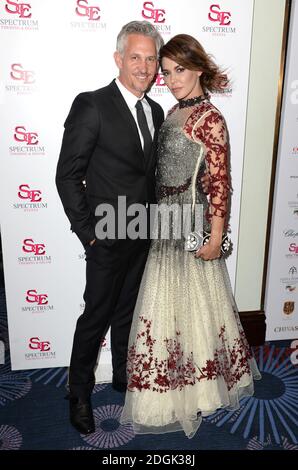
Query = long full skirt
x=188 y=355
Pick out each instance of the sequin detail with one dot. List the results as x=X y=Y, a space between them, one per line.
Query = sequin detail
x=191 y=128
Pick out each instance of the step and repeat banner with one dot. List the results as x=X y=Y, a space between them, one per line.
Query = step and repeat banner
x=281 y=305
x=51 y=51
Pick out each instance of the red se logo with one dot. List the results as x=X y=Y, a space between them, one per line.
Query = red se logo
x=86 y=10
x=18 y=73
x=22 y=136
x=34 y=298
x=35 y=343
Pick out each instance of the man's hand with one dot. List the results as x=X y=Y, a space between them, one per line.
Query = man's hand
x=205 y=181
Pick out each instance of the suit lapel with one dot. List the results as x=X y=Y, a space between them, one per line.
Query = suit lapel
x=127 y=119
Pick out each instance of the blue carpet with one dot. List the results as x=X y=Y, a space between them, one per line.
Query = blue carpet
x=34 y=413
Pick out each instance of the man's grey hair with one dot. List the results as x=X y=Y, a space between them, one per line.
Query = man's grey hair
x=138 y=27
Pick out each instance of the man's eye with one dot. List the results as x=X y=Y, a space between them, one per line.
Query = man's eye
x=151 y=59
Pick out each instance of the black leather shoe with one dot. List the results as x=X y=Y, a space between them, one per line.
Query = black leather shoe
x=119 y=386
x=81 y=415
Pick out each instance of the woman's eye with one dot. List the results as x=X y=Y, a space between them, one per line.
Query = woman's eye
x=180 y=69
x=165 y=74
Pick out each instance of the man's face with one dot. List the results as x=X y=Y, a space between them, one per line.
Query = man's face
x=138 y=63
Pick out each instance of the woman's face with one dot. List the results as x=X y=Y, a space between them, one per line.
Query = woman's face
x=183 y=83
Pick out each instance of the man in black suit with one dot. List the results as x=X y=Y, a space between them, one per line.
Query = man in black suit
x=109 y=150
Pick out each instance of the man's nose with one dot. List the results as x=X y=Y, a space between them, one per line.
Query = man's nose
x=143 y=65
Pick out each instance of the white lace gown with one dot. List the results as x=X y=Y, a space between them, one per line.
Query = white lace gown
x=188 y=355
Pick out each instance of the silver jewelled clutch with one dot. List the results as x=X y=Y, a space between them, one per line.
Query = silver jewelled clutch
x=195 y=240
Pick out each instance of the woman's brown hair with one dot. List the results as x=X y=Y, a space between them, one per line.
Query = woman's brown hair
x=190 y=54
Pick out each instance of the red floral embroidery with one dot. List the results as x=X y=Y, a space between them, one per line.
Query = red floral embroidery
x=177 y=371
x=230 y=363
x=197 y=113
x=211 y=131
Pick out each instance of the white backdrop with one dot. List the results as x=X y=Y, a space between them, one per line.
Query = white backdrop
x=281 y=305
x=52 y=50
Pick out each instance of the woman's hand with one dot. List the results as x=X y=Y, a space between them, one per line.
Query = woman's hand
x=209 y=251
x=205 y=182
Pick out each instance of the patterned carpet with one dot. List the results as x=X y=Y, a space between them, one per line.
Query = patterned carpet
x=34 y=413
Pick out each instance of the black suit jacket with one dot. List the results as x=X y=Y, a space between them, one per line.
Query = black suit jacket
x=101 y=145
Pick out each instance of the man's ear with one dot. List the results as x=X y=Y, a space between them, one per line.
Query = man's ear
x=118 y=59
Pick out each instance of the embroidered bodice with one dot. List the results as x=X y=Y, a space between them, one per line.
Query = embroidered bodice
x=187 y=134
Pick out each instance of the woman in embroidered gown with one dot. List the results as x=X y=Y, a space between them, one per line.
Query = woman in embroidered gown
x=188 y=355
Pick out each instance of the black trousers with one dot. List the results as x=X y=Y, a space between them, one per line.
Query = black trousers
x=113 y=274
